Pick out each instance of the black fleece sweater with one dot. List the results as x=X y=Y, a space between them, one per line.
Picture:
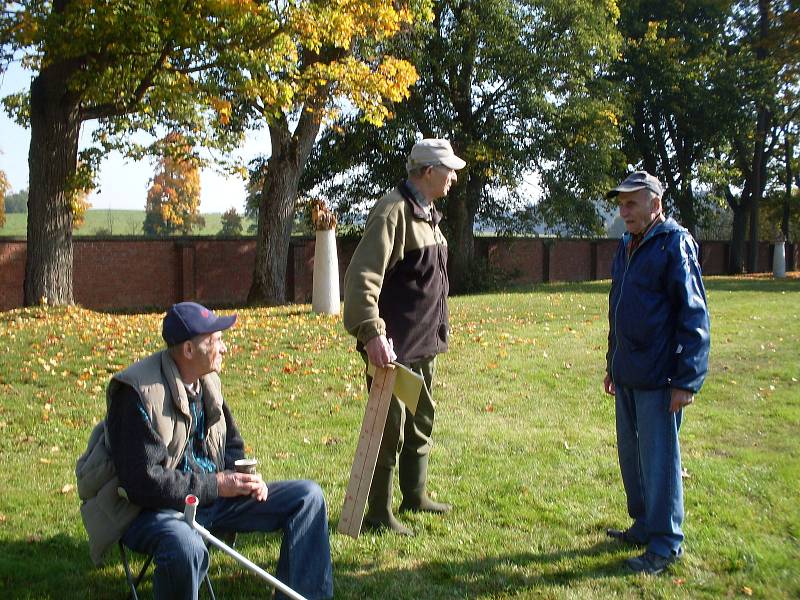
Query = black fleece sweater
x=140 y=457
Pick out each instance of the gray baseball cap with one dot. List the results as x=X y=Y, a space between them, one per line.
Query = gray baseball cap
x=431 y=151
x=638 y=180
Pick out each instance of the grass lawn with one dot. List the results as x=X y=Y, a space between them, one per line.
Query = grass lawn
x=118 y=222
x=525 y=448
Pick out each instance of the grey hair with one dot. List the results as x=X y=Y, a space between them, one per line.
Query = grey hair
x=417 y=171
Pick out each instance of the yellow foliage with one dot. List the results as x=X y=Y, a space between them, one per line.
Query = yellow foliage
x=79 y=204
x=4 y=187
x=173 y=200
x=610 y=115
x=223 y=108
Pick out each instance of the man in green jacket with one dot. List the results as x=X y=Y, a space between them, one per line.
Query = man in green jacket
x=395 y=305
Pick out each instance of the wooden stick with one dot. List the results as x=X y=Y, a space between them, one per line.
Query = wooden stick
x=369 y=442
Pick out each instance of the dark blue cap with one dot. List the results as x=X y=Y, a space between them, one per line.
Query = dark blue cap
x=639 y=180
x=186 y=320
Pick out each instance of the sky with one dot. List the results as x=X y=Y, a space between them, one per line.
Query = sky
x=123 y=183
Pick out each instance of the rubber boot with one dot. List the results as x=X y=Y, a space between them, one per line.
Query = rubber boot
x=379 y=514
x=413 y=475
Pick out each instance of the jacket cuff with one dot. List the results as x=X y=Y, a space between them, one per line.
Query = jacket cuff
x=367 y=331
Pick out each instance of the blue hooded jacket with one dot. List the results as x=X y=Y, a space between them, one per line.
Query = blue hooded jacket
x=657 y=313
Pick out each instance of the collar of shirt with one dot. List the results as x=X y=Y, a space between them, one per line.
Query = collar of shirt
x=421 y=200
x=637 y=238
x=193 y=390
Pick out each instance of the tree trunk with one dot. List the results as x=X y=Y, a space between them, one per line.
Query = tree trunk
x=738 y=231
x=459 y=212
x=684 y=200
x=788 y=148
x=52 y=160
x=762 y=125
x=277 y=207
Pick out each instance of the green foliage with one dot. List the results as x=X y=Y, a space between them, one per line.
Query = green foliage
x=514 y=86
x=773 y=207
x=17 y=202
x=524 y=449
x=231 y=223
x=674 y=71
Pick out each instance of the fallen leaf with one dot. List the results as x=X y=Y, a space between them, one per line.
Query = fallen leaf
x=747 y=591
x=67 y=488
x=678 y=581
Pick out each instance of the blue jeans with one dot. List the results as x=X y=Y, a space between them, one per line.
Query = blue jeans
x=650 y=462
x=181 y=557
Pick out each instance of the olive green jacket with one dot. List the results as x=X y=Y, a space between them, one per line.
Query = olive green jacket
x=396 y=283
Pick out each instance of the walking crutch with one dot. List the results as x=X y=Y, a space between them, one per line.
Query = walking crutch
x=188 y=516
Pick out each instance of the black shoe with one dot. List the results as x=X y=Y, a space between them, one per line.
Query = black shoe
x=651 y=563
x=624 y=536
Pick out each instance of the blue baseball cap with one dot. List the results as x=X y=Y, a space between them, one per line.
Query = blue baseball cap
x=186 y=320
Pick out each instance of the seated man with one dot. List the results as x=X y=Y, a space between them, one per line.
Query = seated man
x=169 y=434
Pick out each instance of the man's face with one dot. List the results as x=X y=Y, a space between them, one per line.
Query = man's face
x=638 y=209
x=441 y=179
x=209 y=351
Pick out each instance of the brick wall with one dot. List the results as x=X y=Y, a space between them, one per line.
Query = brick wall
x=133 y=273
x=12 y=273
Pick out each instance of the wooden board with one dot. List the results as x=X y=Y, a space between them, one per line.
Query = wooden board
x=369 y=442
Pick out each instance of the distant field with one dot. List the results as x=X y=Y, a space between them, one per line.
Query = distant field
x=118 y=222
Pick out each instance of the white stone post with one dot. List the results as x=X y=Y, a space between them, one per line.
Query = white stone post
x=325 y=296
x=779 y=260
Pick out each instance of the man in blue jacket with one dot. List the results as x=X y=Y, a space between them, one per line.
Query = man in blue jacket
x=658 y=343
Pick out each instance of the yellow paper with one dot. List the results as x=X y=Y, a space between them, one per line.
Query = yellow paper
x=407 y=386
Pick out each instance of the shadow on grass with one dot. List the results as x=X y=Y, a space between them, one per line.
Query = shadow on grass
x=44 y=567
x=510 y=574
x=59 y=567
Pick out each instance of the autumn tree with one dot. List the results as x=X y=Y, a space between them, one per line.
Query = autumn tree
x=4 y=187
x=515 y=86
x=231 y=223
x=131 y=65
x=173 y=200
x=334 y=53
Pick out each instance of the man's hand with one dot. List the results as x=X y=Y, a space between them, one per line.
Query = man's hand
x=608 y=385
x=680 y=398
x=231 y=484
x=380 y=351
